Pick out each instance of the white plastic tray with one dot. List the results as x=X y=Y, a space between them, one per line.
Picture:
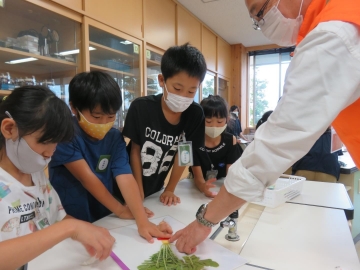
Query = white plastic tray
x=284 y=189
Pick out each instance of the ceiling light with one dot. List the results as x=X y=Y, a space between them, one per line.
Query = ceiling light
x=18 y=61
x=75 y=51
x=126 y=42
x=207 y=1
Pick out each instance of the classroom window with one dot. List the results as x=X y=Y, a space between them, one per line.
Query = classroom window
x=208 y=85
x=267 y=75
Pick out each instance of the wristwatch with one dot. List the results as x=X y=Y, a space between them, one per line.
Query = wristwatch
x=200 y=217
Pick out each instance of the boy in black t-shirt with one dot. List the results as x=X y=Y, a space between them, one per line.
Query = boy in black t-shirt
x=221 y=149
x=155 y=124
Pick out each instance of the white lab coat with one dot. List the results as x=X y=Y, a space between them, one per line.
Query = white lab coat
x=323 y=78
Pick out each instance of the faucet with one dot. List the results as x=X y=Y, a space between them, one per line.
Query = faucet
x=230 y=222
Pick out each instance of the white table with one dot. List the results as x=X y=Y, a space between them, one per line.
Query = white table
x=60 y=256
x=190 y=197
x=299 y=237
x=330 y=195
x=322 y=231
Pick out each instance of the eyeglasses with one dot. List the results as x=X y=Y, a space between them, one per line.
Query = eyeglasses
x=257 y=24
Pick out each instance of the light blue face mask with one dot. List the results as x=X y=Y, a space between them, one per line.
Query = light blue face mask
x=23 y=157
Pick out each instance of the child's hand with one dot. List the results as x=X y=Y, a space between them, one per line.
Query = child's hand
x=165 y=227
x=97 y=241
x=205 y=188
x=148 y=212
x=125 y=213
x=150 y=230
x=169 y=198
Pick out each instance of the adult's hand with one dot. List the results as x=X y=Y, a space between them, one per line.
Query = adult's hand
x=189 y=237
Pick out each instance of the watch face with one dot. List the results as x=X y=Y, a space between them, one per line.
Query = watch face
x=200 y=211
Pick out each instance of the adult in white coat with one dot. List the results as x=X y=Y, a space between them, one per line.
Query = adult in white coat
x=322 y=80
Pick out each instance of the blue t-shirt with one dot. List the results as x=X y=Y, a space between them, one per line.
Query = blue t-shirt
x=107 y=158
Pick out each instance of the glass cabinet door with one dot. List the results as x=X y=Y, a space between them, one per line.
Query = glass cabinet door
x=223 y=87
x=208 y=85
x=153 y=64
x=119 y=58
x=37 y=47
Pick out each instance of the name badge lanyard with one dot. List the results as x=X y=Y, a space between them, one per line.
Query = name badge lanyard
x=212 y=173
x=41 y=221
x=185 y=152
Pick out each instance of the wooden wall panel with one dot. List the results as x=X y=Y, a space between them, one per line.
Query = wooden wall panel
x=188 y=28
x=224 y=58
x=209 y=48
x=159 y=23
x=239 y=79
x=119 y=14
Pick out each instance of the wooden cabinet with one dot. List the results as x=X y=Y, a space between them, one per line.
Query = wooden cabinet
x=209 y=48
x=223 y=89
x=224 y=58
x=152 y=25
x=159 y=26
x=38 y=47
x=153 y=69
x=119 y=14
x=71 y=4
x=188 y=28
x=120 y=57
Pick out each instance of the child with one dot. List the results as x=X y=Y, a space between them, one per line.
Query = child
x=234 y=125
x=155 y=124
x=221 y=149
x=319 y=164
x=263 y=119
x=83 y=171
x=32 y=220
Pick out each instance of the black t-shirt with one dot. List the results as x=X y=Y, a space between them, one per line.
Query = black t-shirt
x=147 y=126
x=225 y=153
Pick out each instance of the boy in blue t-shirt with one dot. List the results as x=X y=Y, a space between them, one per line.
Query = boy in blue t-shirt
x=83 y=171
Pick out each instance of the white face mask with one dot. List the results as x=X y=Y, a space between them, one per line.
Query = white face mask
x=177 y=103
x=236 y=113
x=24 y=158
x=280 y=30
x=213 y=132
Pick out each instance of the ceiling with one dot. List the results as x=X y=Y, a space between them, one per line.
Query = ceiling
x=229 y=19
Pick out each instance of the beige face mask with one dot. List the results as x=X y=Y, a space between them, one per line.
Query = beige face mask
x=96 y=131
x=213 y=132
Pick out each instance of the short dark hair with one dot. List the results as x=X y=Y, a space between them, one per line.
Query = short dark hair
x=38 y=108
x=89 y=89
x=183 y=58
x=233 y=108
x=263 y=119
x=214 y=106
